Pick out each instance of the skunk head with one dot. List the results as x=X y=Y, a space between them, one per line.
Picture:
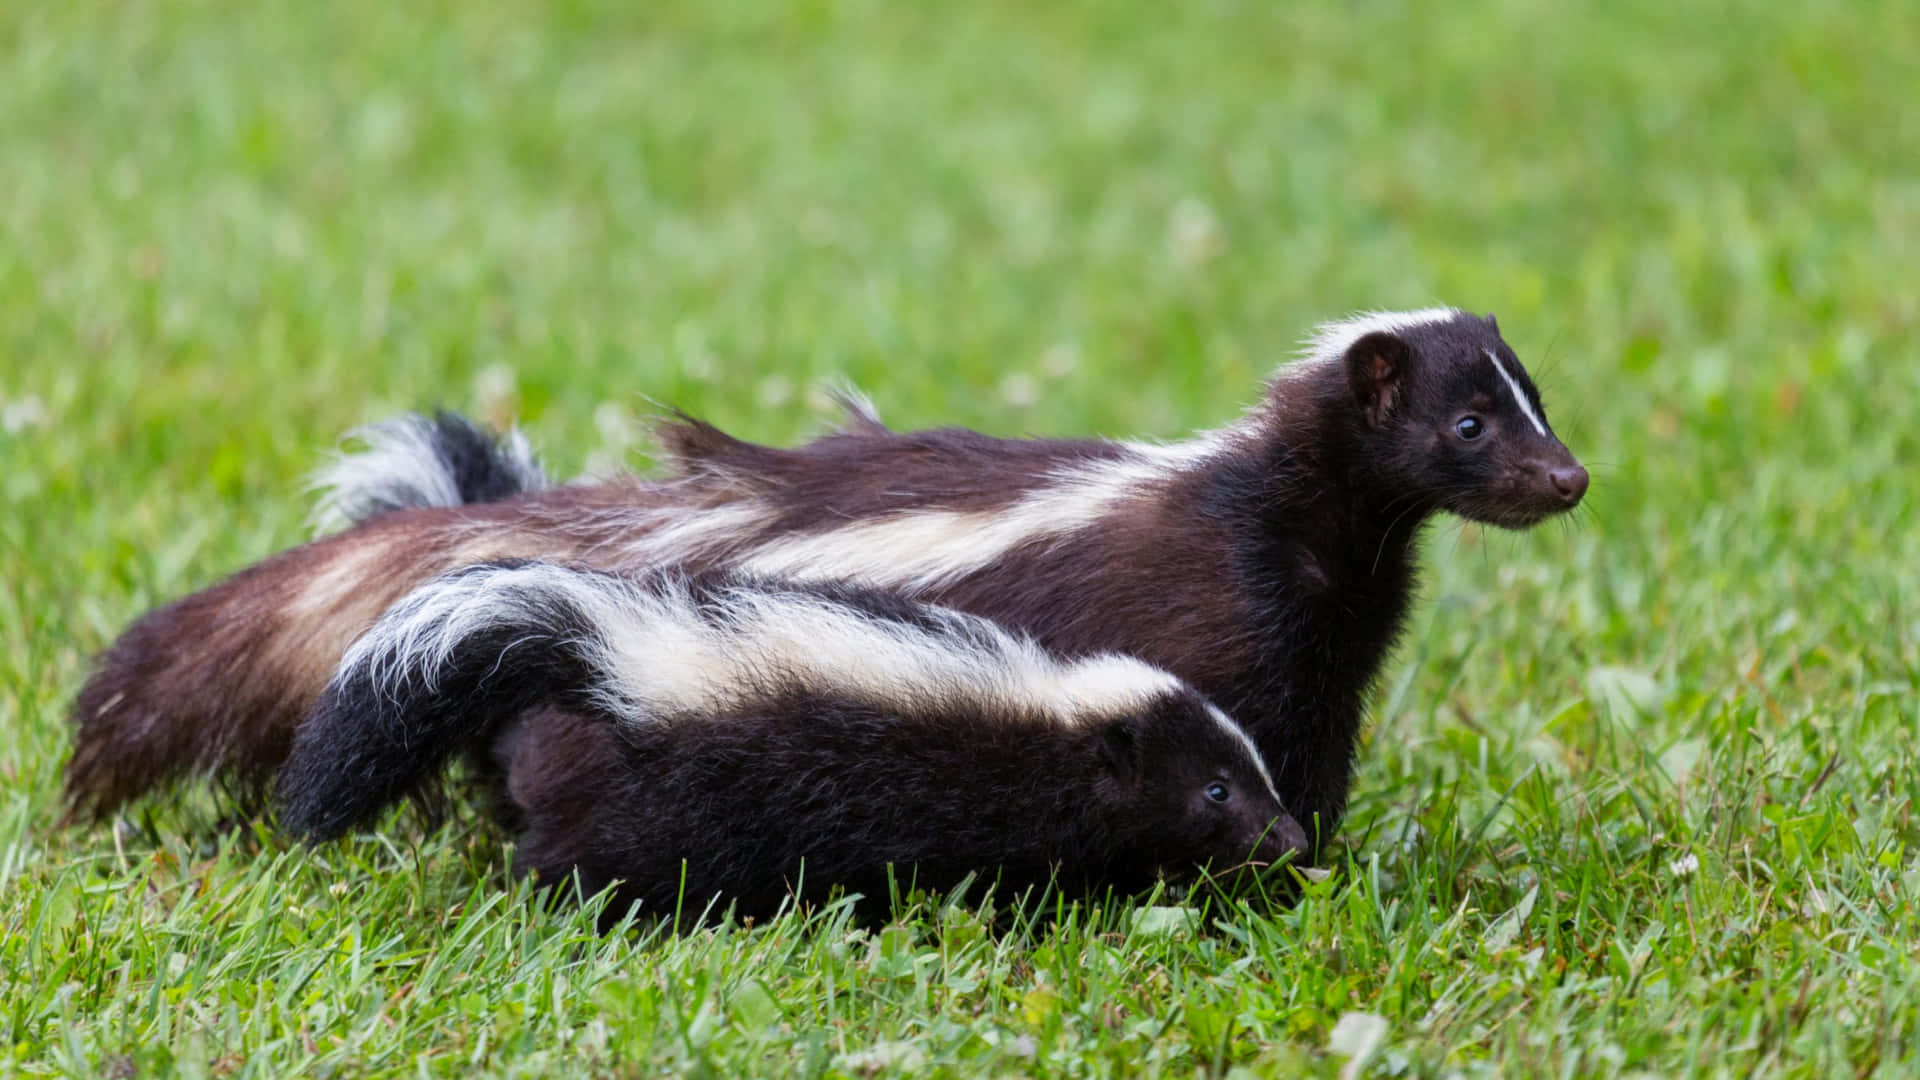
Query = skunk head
x=1450 y=420
x=1194 y=792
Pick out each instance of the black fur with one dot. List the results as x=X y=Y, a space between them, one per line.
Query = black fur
x=368 y=744
x=799 y=797
x=848 y=786
x=483 y=469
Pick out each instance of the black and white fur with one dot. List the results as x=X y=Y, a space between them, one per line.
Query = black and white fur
x=747 y=727
x=417 y=461
x=1269 y=564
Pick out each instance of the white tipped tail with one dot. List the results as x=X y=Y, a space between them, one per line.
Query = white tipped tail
x=417 y=461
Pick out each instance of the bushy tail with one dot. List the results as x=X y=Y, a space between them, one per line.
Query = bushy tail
x=437 y=674
x=217 y=681
x=414 y=461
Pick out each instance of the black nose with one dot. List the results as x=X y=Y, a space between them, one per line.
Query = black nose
x=1570 y=482
x=1284 y=838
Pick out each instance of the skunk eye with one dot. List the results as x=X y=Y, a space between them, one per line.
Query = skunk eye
x=1217 y=791
x=1470 y=427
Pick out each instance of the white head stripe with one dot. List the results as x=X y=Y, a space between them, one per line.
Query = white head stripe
x=1235 y=731
x=1519 y=397
x=1330 y=341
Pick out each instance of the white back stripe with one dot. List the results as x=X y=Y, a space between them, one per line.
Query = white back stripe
x=1519 y=397
x=656 y=653
x=929 y=549
x=657 y=656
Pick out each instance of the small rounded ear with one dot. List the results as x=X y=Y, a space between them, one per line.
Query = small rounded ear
x=1493 y=322
x=1120 y=750
x=1376 y=364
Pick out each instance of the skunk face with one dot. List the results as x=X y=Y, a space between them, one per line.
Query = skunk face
x=1457 y=421
x=1202 y=797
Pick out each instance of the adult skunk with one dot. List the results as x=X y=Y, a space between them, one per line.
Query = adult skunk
x=779 y=740
x=1269 y=563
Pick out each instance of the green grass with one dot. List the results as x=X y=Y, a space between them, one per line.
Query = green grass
x=1639 y=794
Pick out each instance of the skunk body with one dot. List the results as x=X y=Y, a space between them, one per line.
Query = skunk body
x=779 y=740
x=1269 y=564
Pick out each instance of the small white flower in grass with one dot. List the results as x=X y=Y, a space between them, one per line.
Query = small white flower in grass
x=22 y=413
x=1684 y=866
x=698 y=365
x=774 y=391
x=1193 y=234
x=1355 y=1037
x=601 y=466
x=892 y=1055
x=1059 y=361
x=620 y=431
x=496 y=391
x=617 y=426
x=1019 y=390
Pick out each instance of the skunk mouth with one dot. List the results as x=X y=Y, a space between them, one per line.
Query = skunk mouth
x=1526 y=495
x=1514 y=514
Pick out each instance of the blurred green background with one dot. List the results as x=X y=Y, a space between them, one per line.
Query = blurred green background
x=1671 y=742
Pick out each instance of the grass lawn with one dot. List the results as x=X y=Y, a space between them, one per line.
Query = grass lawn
x=1639 y=794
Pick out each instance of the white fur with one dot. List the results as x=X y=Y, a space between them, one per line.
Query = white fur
x=675 y=534
x=521 y=461
x=339 y=583
x=1519 y=396
x=399 y=457
x=657 y=655
x=857 y=409
x=1330 y=341
x=927 y=549
x=910 y=551
x=401 y=464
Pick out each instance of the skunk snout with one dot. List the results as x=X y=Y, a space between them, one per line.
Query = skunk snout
x=1570 y=482
x=1282 y=840
x=1543 y=485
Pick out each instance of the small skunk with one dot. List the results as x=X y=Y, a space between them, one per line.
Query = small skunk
x=779 y=739
x=1269 y=564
